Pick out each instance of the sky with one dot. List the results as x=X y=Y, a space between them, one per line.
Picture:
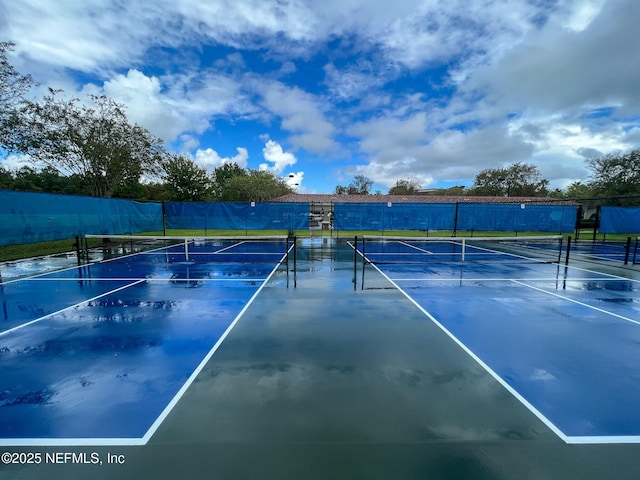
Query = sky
x=319 y=92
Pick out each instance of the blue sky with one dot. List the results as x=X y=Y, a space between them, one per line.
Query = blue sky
x=319 y=92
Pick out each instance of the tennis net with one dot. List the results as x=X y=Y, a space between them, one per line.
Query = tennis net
x=412 y=250
x=197 y=249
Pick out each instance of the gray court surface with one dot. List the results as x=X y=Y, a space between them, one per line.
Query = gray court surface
x=326 y=381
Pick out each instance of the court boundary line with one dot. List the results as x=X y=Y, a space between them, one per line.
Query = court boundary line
x=149 y=279
x=577 y=302
x=480 y=362
x=139 y=441
x=507 y=279
x=568 y=439
x=89 y=264
x=75 y=305
x=180 y=393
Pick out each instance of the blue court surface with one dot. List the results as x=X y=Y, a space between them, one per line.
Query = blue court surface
x=563 y=340
x=100 y=353
x=399 y=361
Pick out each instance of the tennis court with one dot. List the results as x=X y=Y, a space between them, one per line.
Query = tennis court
x=399 y=359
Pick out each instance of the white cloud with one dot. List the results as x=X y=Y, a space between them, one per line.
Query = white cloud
x=583 y=14
x=210 y=159
x=278 y=159
x=521 y=79
x=294 y=180
x=302 y=115
x=15 y=162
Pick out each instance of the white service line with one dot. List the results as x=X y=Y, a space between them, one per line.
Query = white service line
x=489 y=370
x=84 y=302
x=576 y=302
x=167 y=410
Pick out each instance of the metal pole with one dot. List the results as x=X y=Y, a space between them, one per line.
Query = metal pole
x=560 y=250
x=364 y=263
x=566 y=261
x=627 y=250
x=355 y=263
x=164 y=219
x=77 y=245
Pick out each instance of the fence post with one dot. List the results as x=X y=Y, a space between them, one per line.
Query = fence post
x=455 y=220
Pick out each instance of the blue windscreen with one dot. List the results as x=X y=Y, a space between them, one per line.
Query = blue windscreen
x=236 y=216
x=516 y=217
x=451 y=216
x=394 y=216
x=619 y=220
x=27 y=217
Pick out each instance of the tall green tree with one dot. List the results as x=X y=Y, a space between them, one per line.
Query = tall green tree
x=256 y=185
x=516 y=180
x=616 y=175
x=578 y=189
x=361 y=185
x=409 y=186
x=221 y=176
x=13 y=87
x=185 y=181
x=94 y=141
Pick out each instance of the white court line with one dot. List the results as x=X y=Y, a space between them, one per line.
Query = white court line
x=577 y=302
x=38 y=275
x=491 y=372
x=149 y=279
x=154 y=427
x=417 y=248
x=84 y=302
x=612 y=439
x=75 y=267
x=31 y=442
x=504 y=279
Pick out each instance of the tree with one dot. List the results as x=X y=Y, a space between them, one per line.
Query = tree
x=6 y=179
x=13 y=86
x=256 y=185
x=517 y=180
x=616 y=175
x=361 y=185
x=95 y=141
x=221 y=175
x=410 y=186
x=185 y=181
x=578 y=190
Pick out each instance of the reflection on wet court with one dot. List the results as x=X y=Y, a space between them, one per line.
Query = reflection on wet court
x=365 y=370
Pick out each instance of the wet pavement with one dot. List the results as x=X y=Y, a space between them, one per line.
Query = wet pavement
x=330 y=381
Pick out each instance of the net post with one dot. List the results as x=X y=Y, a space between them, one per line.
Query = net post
x=186 y=249
x=464 y=247
x=286 y=256
x=295 y=262
x=566 y=260
x=77 y=245
x=560 y=250
x=164 y=219
x=627 y=250
x=364 y=263
x=355 y=263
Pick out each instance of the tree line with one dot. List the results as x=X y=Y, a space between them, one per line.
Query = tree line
x=614 y=180
x=89 y=147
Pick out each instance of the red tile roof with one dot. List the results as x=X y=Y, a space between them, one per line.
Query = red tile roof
x=379 y=198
